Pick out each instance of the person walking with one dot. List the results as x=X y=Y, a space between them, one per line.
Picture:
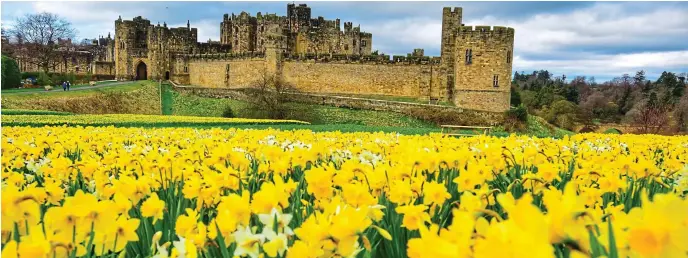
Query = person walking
x=68 y=85
x=64 y=86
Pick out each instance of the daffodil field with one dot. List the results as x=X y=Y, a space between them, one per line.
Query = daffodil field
x=184 y=192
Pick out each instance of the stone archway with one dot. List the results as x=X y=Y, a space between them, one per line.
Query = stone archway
x=141 y=71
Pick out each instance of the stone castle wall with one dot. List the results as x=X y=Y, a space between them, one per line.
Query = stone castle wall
x=232 y=73
x=378 y=79
x=104 y=68
x=483 y=60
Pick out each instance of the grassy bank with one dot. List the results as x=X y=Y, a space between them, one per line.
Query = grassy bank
x=141 y=97
x=191 y=105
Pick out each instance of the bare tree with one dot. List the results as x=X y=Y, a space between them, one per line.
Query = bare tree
x=40 y=36
x=681 y=113
x=269 y=94
x=651 y=118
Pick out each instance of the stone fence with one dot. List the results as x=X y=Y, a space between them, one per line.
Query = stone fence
x=438 y=114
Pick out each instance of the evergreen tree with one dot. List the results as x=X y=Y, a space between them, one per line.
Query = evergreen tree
x=515 y=97
x=11 y=77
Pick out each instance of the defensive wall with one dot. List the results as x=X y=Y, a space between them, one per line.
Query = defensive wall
x=404 y=76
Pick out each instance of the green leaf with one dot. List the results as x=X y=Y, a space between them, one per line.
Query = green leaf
x=221 y=242
x=613 y=252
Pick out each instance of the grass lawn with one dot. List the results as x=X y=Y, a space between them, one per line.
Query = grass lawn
x=55 y=88
x=55 y=93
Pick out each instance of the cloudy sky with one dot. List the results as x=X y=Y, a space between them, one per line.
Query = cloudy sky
x=601 y=39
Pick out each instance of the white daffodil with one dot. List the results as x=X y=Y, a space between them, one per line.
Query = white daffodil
x=180 y=246
x=247 y=242
x=282 y=221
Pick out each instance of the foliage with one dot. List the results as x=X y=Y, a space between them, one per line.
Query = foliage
x=70 y=77
x=56 y=79
x=612 y=131
x=516 y=119
x=268 y=95
x=88 y=77
x=614 y=101
x=11 y=77
x=43 y=79
x=26 y=75
x=269 y=193
x=651 y=117
x=515 y=97
x=228 y=112
x=563 y=114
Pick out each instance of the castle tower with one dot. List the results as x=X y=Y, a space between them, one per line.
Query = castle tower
x=451 y=21
x=483 y=61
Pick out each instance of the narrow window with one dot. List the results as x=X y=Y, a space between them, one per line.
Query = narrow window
x=508 y=57
x=469 y=56
x=346 y=47
x=354 y=43
x=495 y=81
x=363 y=43
x=186 y=69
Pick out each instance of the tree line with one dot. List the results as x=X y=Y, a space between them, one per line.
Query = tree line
x=653 y=106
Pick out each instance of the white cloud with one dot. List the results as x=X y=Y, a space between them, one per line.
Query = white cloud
x=609 y=65
x=90 y=19
x=601 y=25
x=207 y=29
x=408 y=33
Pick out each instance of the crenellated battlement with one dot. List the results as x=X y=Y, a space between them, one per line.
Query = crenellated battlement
x=485 y=30
x=450 y=11
x=221 y=56
x=364 y=59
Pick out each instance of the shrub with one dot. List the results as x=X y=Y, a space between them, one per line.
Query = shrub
x=562 y=113
x=516 y=119
x=612 y=131
x=228 y=112
x=43 y=79
x=56 y=79
x=71 y=77
x=11 y=77
x=519 y=113
x=88 y=77
x=515 y=97
x=26 y=75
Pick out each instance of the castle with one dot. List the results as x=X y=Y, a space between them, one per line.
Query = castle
x=473 y=70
